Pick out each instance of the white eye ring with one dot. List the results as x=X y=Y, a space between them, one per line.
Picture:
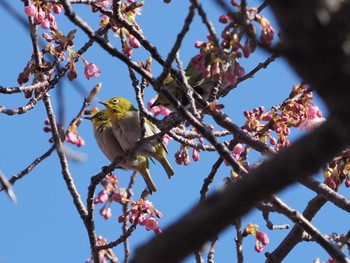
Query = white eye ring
x=115 y=101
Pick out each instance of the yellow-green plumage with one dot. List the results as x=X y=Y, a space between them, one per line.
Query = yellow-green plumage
x=111 y=148
x=195 y=79
x=127 y=129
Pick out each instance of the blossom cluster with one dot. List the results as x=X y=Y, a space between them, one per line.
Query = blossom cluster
x=338 y=171
x=223 y=65
x=211 y=66
x=71 y=136
x=105 y=255
x=145 y=213
x=42 y=13
x=298 y=111
x=234 y=30
x=129 y=11
x=261 y=238
x=58 y=44
x=142 y=210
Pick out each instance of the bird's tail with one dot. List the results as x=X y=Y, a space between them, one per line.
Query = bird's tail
x=166 y=165
x=148 y=179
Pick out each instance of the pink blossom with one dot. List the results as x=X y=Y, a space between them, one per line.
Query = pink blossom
x=313 y=119
x=30 y=10
x=238 y=148
x=166 y=139
x=142 y=220
x=71 y=138
x=92 y=70
x=103 y=196
x=151 y=224
x=147 y=205
x=103 y=4
x=40 y=16
x=164 y=111
x=134 y=42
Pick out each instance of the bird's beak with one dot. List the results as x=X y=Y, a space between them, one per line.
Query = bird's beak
x=103 y=103
x=88 y=118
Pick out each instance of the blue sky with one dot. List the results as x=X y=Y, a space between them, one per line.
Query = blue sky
x=44 y=225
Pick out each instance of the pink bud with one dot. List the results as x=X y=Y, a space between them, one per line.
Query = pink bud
x=158 y=213
x=224 y=19
x=258 y=247
x=47 y=122
x=198 y=44
x=47 y=129
x=57 y=9
x=195 y=155
x=134 y=42
x=127 y=51
x=45 y=24
x=108 y=213
x=347 y=182
x=117 y=197
x=121 y=219
x=262 y=237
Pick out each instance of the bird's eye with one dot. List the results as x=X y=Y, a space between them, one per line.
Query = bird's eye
x=115 y=101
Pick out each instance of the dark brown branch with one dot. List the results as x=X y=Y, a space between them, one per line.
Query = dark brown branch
x=239 y=240
x=329 y=194
x=299 y=219
x=210 y=217
x=296 y=234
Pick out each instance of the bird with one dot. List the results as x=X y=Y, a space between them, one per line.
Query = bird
x=202 y=74
x=126 y=125
x=111 y=148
